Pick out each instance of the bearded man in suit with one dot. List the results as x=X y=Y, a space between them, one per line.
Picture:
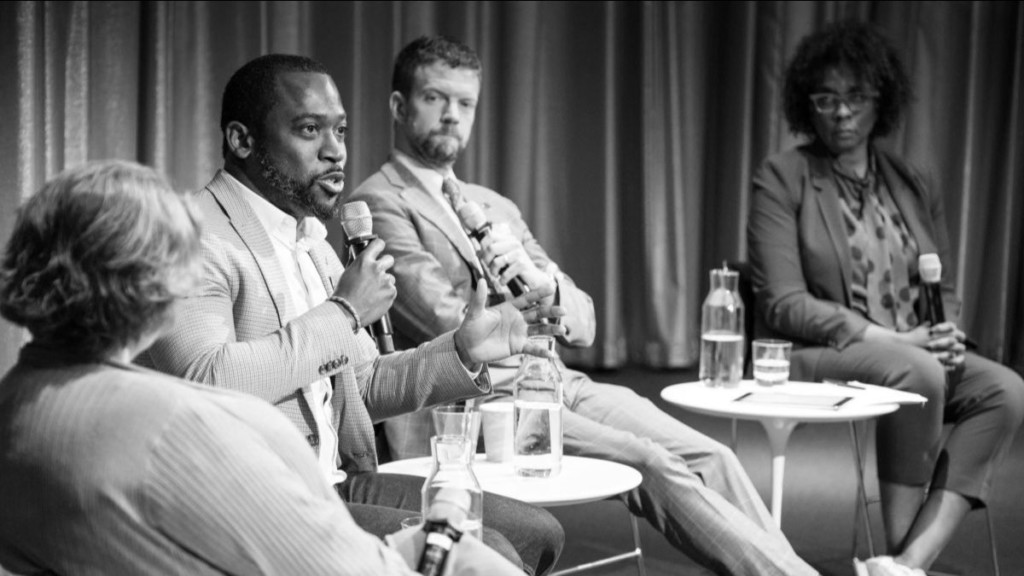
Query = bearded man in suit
x=694 y=490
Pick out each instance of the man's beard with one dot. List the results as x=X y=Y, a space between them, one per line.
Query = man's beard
x=285 y=190
x=438 y=152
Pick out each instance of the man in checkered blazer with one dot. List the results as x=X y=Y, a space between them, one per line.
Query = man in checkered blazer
x=277 y=316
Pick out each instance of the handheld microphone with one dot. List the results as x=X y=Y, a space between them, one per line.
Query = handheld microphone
x=930 y=268
x=358 y=225
x=442 y=525
x=472 y=217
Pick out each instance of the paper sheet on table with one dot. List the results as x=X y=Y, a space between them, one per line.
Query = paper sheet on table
x=823 y=401
x=870 y=394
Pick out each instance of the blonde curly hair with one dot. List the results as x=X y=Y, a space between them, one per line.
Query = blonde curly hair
x=98 y=256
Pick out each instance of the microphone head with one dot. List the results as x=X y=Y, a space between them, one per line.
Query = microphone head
x=451 y=504
x=472 y=215
x=356 y=220
x=929 y=267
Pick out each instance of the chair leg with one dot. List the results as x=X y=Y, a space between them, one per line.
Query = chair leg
x=992 y=541
x=640 y=568
x=733 y=442
x=862 y=496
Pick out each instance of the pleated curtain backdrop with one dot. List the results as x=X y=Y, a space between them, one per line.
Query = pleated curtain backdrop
x=626 y=131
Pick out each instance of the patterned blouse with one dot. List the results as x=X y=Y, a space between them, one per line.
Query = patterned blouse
x=884 y=253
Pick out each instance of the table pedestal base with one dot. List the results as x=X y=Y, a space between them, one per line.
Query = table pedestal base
x=778 y=431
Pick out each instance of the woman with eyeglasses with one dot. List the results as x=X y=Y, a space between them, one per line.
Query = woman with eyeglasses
x=835 y=230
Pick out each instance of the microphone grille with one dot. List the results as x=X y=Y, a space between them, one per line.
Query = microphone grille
x=356 y=219
x=472 y=215
x=929 y=267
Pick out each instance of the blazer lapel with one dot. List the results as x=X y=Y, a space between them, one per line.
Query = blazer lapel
x=831 y=214
x=248 y=227
x=356 y=441
x=316 y=252
x=416 y=194
x=910 y=202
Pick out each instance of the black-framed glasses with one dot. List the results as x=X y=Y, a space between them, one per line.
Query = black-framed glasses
x=828 y=103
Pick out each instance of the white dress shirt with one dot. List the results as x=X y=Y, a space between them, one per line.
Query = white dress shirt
x=291 y=240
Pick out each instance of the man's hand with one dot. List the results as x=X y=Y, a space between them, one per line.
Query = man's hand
x=366 y=284
x=507 y=258
x=489 y=334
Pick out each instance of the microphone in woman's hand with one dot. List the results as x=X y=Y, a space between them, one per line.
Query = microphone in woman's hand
x=930 y=268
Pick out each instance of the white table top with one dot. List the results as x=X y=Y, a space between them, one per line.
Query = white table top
x=581 y=480
x=866 y=402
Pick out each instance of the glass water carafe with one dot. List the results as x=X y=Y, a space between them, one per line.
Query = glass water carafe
x=537 y=415
x=452 y=479
x=721 y=331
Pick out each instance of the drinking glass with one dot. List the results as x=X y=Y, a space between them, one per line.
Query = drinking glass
x=771 y=361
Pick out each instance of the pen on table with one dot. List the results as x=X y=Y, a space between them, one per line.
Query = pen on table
x=842 y=383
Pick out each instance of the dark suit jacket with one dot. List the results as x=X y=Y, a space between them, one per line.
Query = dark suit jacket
x=799 y=254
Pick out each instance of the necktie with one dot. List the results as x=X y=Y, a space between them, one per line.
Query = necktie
x=451 y=192
x=450 y=189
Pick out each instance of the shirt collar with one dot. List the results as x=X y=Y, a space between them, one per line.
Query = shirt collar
x=430 y=177
x=869 y=175
x=278 y=223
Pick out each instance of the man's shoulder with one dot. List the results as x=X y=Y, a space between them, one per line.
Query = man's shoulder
x=378 y=183
x=491 y=201
x=477 y=192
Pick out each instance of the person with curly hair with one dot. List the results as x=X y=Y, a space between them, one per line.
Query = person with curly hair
x=835 y=230
x=110 y=468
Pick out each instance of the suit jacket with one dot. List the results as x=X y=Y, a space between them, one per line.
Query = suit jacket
x=799 y=253
x=108 y=468
x=232 y=333
x=436 y=269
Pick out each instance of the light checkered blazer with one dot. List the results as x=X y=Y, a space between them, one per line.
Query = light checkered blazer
x=231 y=333
x=436 y=270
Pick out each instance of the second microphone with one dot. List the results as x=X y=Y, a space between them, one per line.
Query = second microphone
x=472 y=217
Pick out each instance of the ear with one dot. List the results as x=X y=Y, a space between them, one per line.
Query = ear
x=239 y=139
x=398 y=106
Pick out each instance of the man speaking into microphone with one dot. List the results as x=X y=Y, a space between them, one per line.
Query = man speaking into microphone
x=276 y=314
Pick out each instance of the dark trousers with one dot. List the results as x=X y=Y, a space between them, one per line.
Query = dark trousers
x=984 y=403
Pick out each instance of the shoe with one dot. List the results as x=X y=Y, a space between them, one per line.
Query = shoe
x=886 y=566
x=860 y=568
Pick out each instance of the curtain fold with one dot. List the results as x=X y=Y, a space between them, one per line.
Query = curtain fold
x=627 y=132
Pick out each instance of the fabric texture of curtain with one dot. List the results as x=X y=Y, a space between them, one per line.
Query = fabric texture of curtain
x=626 y=131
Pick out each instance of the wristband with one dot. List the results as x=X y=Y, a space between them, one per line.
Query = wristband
x=351 y=310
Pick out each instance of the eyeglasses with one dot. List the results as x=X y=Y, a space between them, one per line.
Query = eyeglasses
x=855 y=101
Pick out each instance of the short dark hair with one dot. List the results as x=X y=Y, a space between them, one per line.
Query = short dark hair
x=98 y=256
x=426 y=50
x=251 y=92
x=870 y=57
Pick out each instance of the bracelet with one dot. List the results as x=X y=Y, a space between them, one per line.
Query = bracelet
x=351 y=310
